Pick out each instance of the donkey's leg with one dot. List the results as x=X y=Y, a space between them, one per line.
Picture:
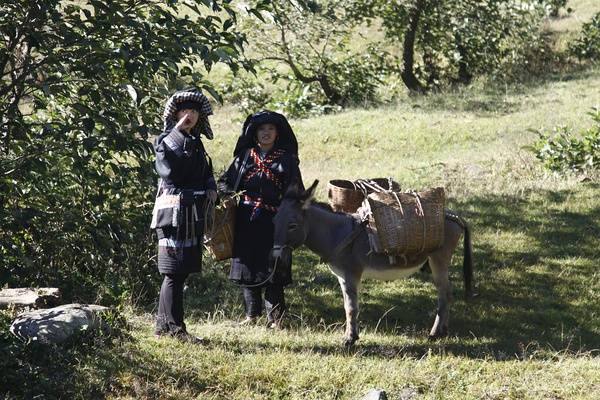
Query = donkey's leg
x=349 y=285
x=439 y=270
x=439 y=261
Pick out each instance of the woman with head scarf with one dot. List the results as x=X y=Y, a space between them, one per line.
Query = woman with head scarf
x=186 y=184
x=264 y=167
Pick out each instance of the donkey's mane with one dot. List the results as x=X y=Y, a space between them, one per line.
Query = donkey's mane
x=326 y=207
x=322 y=204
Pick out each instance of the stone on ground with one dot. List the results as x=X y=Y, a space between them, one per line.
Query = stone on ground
x=56 y=325
x=375 y=394
x=29 y=297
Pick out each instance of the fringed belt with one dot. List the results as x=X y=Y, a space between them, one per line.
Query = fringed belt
x=257 y=203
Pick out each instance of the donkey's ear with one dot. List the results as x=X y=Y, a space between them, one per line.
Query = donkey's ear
x=293 y=191
x=309 y=194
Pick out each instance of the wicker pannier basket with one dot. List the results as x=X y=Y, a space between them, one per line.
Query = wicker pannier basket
x=408 y=223
x=344 y=196
x=219 y=240
x=347 y=196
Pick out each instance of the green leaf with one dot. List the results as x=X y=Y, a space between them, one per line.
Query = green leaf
x=213 y=93
x=132 y=92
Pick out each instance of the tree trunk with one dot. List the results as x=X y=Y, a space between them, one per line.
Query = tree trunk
x=330 y=92
x=408 y=52
x=464 y=76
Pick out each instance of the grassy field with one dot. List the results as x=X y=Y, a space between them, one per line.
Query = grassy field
x=533 y=332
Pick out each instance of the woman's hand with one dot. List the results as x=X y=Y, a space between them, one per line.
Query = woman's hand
x=211 y=195
x=181 y=122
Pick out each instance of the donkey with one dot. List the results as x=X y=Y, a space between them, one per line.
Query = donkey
x=342 y=241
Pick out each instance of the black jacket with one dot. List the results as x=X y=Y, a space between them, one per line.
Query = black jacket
x=182 y=163
x=184 y=168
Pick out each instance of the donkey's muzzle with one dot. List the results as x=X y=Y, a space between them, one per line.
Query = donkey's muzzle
x=277 y=251
x=281 y=259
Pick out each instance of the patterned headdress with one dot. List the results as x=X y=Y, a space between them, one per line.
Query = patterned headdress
x=185 y=95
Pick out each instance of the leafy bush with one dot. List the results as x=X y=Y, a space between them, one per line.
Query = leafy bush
x=80 y=96
x=587 y=45
x=357 y=77
x=294 y=98
x=299 y=100
x=246 y=91
x=447 y=41
x=562 y=150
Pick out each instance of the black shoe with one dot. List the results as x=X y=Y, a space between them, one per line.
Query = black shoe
x=276 y=325
x=248 y=321
x=187 y=338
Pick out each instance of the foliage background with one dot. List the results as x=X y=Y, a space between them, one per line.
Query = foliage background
x=80 y=102
x=77 y=187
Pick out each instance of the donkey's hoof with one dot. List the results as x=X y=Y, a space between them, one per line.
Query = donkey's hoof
x=349 y=341
x=442 y=333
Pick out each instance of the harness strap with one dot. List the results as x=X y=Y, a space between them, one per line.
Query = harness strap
x=358 y=228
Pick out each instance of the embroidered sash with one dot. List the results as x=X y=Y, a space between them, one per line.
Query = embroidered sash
x=257 y=203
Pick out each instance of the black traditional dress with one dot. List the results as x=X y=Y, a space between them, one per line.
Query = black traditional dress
x=264 y=178
x=186 y=173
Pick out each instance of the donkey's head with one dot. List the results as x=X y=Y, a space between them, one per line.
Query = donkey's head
x=290 y=221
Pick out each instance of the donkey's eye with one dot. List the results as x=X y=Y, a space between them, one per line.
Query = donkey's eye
x=292 y=225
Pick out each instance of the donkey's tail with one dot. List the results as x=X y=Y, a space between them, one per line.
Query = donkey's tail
x=468 y=252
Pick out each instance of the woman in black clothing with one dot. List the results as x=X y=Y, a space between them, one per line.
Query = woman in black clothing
x=265 y=165
x=186 y=182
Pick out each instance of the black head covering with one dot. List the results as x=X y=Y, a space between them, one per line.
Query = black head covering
x=286 y=139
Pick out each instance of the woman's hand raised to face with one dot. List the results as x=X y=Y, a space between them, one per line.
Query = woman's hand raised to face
x=187 y=119
x=181 y=123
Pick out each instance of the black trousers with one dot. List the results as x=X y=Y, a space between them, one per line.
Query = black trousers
x=274 y=301
x=170 y=305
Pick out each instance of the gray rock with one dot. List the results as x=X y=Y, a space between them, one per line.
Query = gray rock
x=375 y=394
x=29 y=297
x=56 y=325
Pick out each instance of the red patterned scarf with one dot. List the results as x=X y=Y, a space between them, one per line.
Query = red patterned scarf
x=264 y=166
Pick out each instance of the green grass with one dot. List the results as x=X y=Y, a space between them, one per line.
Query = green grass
x=533 y=332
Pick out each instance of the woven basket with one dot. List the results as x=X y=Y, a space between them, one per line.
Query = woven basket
x=399 y=225
x=345 y=196
x=220 y=240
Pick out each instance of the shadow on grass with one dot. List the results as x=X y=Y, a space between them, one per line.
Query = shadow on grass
x=536 y=272
x=89 y=368
x=536 y=292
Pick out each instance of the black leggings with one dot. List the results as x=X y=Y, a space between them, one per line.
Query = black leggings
x=170 y=305
x=274 y=301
